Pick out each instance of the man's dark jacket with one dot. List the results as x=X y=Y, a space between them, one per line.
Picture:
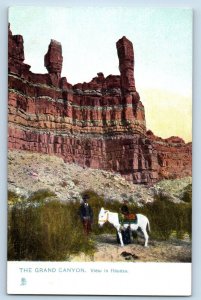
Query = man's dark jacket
x=86 y=211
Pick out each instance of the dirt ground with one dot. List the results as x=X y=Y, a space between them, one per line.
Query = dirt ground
x=107 y=249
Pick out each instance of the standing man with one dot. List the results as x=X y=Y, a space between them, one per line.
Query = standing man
x=86 y=215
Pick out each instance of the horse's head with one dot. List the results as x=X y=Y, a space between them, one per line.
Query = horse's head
x=102 y=217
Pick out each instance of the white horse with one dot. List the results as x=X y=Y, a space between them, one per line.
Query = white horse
x=113 y=218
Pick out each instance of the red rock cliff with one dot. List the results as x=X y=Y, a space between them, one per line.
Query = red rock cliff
x=99 y=124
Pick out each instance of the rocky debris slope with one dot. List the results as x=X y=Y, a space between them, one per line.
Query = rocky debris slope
x=100 y=124
x=29 y=172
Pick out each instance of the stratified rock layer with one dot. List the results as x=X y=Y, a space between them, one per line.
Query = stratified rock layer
x=100 y=124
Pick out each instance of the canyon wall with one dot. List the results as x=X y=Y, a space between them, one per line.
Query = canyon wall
x=99 y=124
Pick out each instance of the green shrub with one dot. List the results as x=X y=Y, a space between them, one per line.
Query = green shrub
x=41 y=195
x=187 y=194
x=14 y=197
x=167 y=217
x=46 y=231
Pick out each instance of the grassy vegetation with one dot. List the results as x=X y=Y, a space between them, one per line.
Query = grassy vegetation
x=167 y=217
x=45 y=230
x=40 y=229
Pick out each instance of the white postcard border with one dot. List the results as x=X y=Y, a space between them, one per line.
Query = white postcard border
x=100 y=278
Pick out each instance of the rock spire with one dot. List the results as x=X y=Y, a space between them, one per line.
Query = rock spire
x=126 y=64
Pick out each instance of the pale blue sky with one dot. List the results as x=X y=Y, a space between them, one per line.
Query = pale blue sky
x=162 y=40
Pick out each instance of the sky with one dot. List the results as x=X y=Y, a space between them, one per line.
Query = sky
x=162 y=40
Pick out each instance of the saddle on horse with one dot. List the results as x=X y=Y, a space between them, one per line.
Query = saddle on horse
x=128 y=219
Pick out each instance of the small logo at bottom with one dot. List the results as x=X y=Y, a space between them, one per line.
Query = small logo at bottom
x=23 y=281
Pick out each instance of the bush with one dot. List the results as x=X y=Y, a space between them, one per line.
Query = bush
x=187 y=194
x=41 y=195
x=14 y=197
x=167 y=217
x=46 y=231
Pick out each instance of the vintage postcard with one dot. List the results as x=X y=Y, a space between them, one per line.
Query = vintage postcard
x=99 y=151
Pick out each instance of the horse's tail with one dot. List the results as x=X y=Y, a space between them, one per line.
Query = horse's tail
x=148 y=226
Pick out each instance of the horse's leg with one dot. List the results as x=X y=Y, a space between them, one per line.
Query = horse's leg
x=146 y=237
x=120 y=237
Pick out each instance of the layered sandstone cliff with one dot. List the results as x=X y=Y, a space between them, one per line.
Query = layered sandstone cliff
x=99 y=124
